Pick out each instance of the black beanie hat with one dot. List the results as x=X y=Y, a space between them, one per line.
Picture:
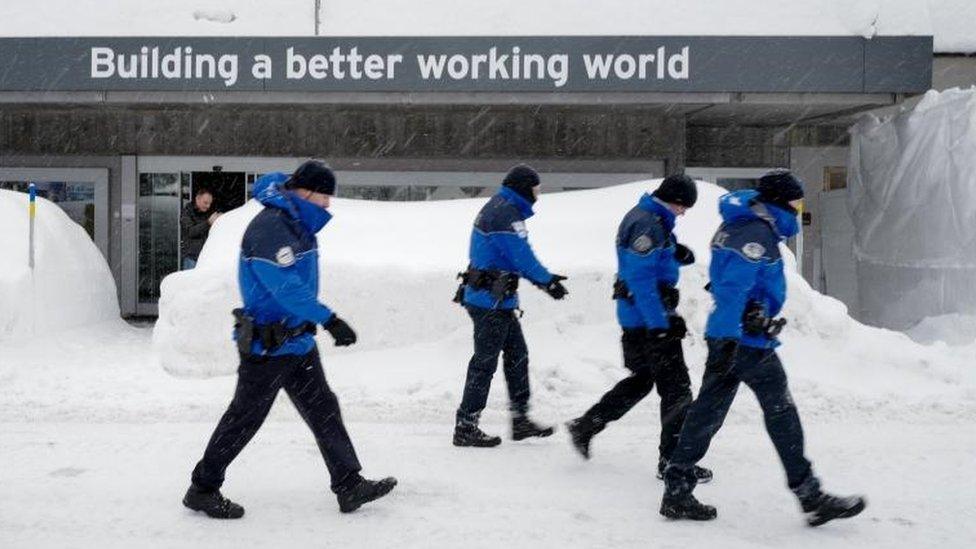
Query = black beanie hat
x=314 y=175
x=778 y=187
x=677 y=189
x=521 y=179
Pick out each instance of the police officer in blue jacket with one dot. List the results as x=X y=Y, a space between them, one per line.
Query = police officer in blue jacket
x=279 y=281
x=499 y=255
x=648 y=258
x=749 y=288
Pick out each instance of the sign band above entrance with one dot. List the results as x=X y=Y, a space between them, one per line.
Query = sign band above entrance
x=475 y=64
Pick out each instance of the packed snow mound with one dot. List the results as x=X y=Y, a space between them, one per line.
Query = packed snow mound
x=389 y=269
x=71 y=284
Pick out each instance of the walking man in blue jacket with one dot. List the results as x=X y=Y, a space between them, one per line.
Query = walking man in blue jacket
x=648 y=258
x=278 y=276
x=749 y=288
x=499 y=255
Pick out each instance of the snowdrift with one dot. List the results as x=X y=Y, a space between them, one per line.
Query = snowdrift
x=71 y=285
x=389 y=269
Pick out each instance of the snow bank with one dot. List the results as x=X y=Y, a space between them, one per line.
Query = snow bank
x=71 y=285
x=913 y=202
x=389 y=269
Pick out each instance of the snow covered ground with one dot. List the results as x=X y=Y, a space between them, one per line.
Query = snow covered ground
x=101 y=424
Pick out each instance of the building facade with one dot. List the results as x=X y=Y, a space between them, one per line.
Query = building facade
x=123 y=156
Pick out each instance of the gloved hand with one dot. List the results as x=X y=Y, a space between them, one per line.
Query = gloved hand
x=683 y=254
x=555 y=288
x=340 y=331
x=755 y=322
x=677 y=329
x=670 y=296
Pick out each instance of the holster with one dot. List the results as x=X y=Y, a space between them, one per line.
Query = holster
x=500 y=284
x=669 y=294
x=271 y=336
x=244 y=329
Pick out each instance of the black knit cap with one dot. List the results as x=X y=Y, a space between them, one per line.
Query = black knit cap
x=313 y=175
x=778 y=187
x=521 y=178
x=677 y=189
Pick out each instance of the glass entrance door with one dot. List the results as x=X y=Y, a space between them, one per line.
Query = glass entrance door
x=163 y=199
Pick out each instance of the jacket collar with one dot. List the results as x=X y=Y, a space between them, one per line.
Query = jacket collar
x=523 y=205
x=745 y=204
x=651 y=204
x=269 y=191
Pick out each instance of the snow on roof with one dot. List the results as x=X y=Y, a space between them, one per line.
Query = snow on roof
x=950 y=21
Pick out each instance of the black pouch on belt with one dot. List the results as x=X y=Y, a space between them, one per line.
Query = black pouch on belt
x=244 y=329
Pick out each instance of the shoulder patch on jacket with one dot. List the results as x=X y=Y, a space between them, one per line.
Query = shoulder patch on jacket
x=285 y=256
x=753 y=250
x=519 y=228
x=642 y=243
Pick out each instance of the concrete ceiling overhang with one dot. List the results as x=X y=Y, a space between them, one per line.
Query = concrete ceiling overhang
x=718 y=109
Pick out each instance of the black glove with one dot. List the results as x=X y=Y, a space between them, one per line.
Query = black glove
x=670 y=296
x=683 y=254
x=755 y=322
x=341 y=331
x=555 y=288
x=677 y=329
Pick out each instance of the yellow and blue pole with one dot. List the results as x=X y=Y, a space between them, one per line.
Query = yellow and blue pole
x=32 y=211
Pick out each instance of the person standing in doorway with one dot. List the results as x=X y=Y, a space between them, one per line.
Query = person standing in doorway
x=499 y=256
x=279 y=282
x=198 y=216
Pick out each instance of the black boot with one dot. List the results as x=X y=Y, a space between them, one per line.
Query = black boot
x=523 y=427
x=581 y=431
x=468 y=434
x=821 y=507
x=212 y=503
x=685 y=506
x=364 y=491
x=825 y=508
x=702 y=475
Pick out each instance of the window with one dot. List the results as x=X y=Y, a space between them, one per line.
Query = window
x=76 y=199
x=835 y=178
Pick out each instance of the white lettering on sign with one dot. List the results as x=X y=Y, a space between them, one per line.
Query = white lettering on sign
x=181 y=62
x=625 y=66
x=358 y=64
x=339 y=66
x=509 y=66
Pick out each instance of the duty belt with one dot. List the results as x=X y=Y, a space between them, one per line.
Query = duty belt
x=271 y=336
x=501 y=284
x=669 y=294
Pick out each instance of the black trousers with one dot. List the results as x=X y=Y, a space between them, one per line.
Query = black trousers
x=661 y=364
x=258 y=381
x=496 y=331
x=761 y=370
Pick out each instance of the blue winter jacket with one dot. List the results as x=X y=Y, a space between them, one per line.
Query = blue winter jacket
x=278 y=269
x=500 y=241
x=645 y=259
x=747 y=266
